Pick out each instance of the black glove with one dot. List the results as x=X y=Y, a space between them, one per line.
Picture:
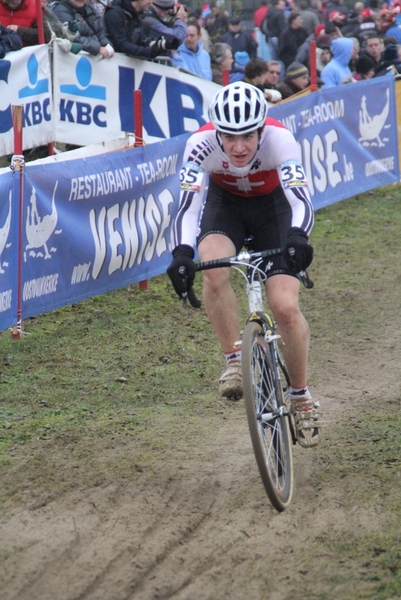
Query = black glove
x=182 y=261
x=298 y=252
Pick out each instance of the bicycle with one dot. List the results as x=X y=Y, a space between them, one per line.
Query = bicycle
x=265 y=377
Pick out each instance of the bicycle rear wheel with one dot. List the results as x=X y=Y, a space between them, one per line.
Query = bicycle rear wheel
x=268 y=426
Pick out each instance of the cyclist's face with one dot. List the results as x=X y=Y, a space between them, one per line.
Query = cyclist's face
x=241 y=148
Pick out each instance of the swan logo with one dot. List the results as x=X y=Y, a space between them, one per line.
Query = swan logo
x=4 y=232
x=371 y=128
x=40 y=229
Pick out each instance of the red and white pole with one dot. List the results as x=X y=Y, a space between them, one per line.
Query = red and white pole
x=18 y=166
x=138 y=124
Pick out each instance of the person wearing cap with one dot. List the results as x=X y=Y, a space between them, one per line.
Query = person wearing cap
x=296 y=79
x=165 y=18
x=337 y=71
x=338 y=18
x=239 y=40
x=191 y=55
x=256 y=187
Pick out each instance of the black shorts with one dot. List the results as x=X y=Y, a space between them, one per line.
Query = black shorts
x=266 y=218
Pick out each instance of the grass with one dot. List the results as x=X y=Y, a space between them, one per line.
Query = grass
x=133 y=367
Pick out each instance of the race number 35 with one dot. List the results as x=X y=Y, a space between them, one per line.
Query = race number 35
x=191 y=177
x=292 y=174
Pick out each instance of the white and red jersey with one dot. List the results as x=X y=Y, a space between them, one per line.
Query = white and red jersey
x=276 y=162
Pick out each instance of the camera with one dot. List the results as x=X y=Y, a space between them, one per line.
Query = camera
x=161 y=44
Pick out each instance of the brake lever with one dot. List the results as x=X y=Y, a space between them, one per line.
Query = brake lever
x=183 y=272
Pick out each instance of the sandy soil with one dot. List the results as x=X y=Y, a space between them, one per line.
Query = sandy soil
x=201 y=527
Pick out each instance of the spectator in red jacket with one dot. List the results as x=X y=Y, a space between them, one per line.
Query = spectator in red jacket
x=20 y=16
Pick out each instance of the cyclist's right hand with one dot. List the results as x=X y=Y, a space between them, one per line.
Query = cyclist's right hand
x=182 y=269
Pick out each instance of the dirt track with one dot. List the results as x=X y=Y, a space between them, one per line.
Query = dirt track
x=201 y=527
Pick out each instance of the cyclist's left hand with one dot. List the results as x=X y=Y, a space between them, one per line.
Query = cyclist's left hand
x=302 y=255
x=182 y=258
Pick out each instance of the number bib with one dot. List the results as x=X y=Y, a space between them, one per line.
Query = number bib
x=191 y=176
x=292 y=174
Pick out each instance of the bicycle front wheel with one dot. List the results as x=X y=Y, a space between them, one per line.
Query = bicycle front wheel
x=267 y=422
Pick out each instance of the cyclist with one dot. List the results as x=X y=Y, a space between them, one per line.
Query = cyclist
x=256 y=186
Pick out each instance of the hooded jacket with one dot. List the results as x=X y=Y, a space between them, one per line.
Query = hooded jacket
x=337 y=69
x=197 y=62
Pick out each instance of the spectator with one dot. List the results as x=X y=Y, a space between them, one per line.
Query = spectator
x=255 y=74
x=272 y=74
x=296 y=79
x=216 y=22
x=374 y=47
x=291 y=39
x=310 y=19
x=303 y=51
x=336 y=5
x=387 y=23
x=365 y=25
x=239 y=40
x=164 y=18
x=274 y=23
x=191 y=55
x=260 y=14
x=238 y=68
x=337 y=70
x=333 y=31
x=124 y=28
x=391 y=62
x=338 y=19
x=19 y=16
x=92 y=35
x=364 y=68
x=323 y=54
x=221 y=59
x=9 y=41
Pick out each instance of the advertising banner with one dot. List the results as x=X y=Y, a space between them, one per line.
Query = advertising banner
x=348 y=137
x=94 y=99
x=25 y=79
x=93 y=225
x=9 y=209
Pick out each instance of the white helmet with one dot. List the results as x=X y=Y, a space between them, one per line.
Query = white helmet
x=238 y=108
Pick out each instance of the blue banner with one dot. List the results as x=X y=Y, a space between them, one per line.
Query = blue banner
x=96 y=224
x=9 y=210
x=348 y=137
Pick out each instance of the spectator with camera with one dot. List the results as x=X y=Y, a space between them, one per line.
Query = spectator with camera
x=124 y=28
x=164 y=18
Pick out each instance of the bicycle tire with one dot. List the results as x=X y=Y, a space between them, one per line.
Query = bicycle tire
x=263 y=395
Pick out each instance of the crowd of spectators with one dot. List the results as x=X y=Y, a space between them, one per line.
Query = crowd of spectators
x=208 y=41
